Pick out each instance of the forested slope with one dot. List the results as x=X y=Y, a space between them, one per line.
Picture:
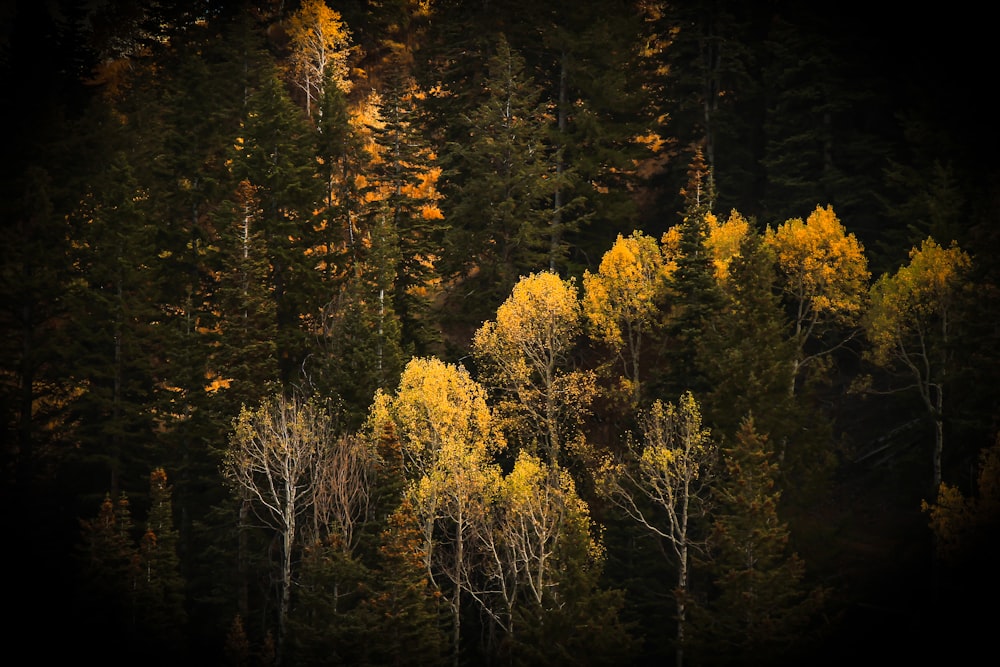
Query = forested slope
x=443 y=332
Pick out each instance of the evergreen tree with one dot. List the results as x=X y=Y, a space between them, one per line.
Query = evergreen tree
x=109 y=568
x=161 y=594
x=115 y=314
x=693 y=296
x=760 y=605
x=404 y=213
x=277 y=158
x=406 y=614
x=499 y=189
x=819 y=148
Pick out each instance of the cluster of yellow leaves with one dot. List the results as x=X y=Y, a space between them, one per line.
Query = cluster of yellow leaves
x=438 y=407
x=677 y=445
x=825 y=268
x=320 y=42
x=624 y=292
x=534 y=328
x=724 y=240
x=954 y=518
x=921 y=291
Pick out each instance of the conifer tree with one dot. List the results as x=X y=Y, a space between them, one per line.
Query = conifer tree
x=499 y=187
x=404 y=212
x=161 y=593
x=693 y=296
x=760 y=605
x=115 y=308
x=406 y=613
x=278 y=159
x=109 y=567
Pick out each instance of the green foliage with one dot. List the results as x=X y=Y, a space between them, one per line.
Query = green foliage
x=161 y=586
x=503 y=161
x=759 y=604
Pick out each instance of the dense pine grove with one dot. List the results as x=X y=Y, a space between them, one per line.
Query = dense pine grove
x=432 y=332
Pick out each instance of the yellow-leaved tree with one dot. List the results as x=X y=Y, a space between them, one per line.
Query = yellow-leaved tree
x=824 y=277
x=622 y=300
x=321 y=44
x=963 y=524
x=909 y=324
x=448 y=438
x=524 y=354
x=664 y=486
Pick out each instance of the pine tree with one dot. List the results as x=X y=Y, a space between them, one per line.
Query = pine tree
x=499 y=189
x=760 y=605
x=109 y=568
x=403 y=218
x=406 y=612
x=693 y=296
x=277 y=157
x=161 y=594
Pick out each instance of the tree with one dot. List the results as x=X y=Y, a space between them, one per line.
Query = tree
x=746 y=353
x=110 y=567
x=910 y=323
x=161 y=585
x=759 y=605
x=272 y=457
x=959 y=522
x=499 y=186
x=824 y=277
x=665 y=486
x=320 y=43
x=402 y=217
x=555 y=558
x=405 y=606
x=524 y=354
x=276 y=157
x=447 y=436
x=621 y=301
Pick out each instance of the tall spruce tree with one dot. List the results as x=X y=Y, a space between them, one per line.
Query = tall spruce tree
x=404 y=212
x=278 y=158
x=693 y=295
x=160 y=585
x=499 y=189
x=760 y=605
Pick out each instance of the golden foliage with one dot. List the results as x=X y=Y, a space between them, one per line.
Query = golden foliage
x=825 y=268
x=724 y=240
x=631 y=279
x=320 y=43
x=908 y=301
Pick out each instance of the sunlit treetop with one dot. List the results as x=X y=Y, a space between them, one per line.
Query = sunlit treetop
x=724 y=240
x=918 y=293
x=630 y=280
x=825 y=268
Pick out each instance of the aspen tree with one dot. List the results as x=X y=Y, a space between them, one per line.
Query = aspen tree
x=525 y=356
x=825 y=280
x=910 y=323
x=664 y=486
x=320 y=44
x=622 y=300
x=447 y=436
x=272 y=456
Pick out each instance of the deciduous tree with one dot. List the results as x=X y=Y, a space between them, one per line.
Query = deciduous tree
x=272 y=457
x=320 y=43
x=525 y=356
x=665 y=486
x=825 y=276
x=910 y=322
x=622 y=300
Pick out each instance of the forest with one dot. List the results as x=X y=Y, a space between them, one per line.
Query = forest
x=447 y=332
